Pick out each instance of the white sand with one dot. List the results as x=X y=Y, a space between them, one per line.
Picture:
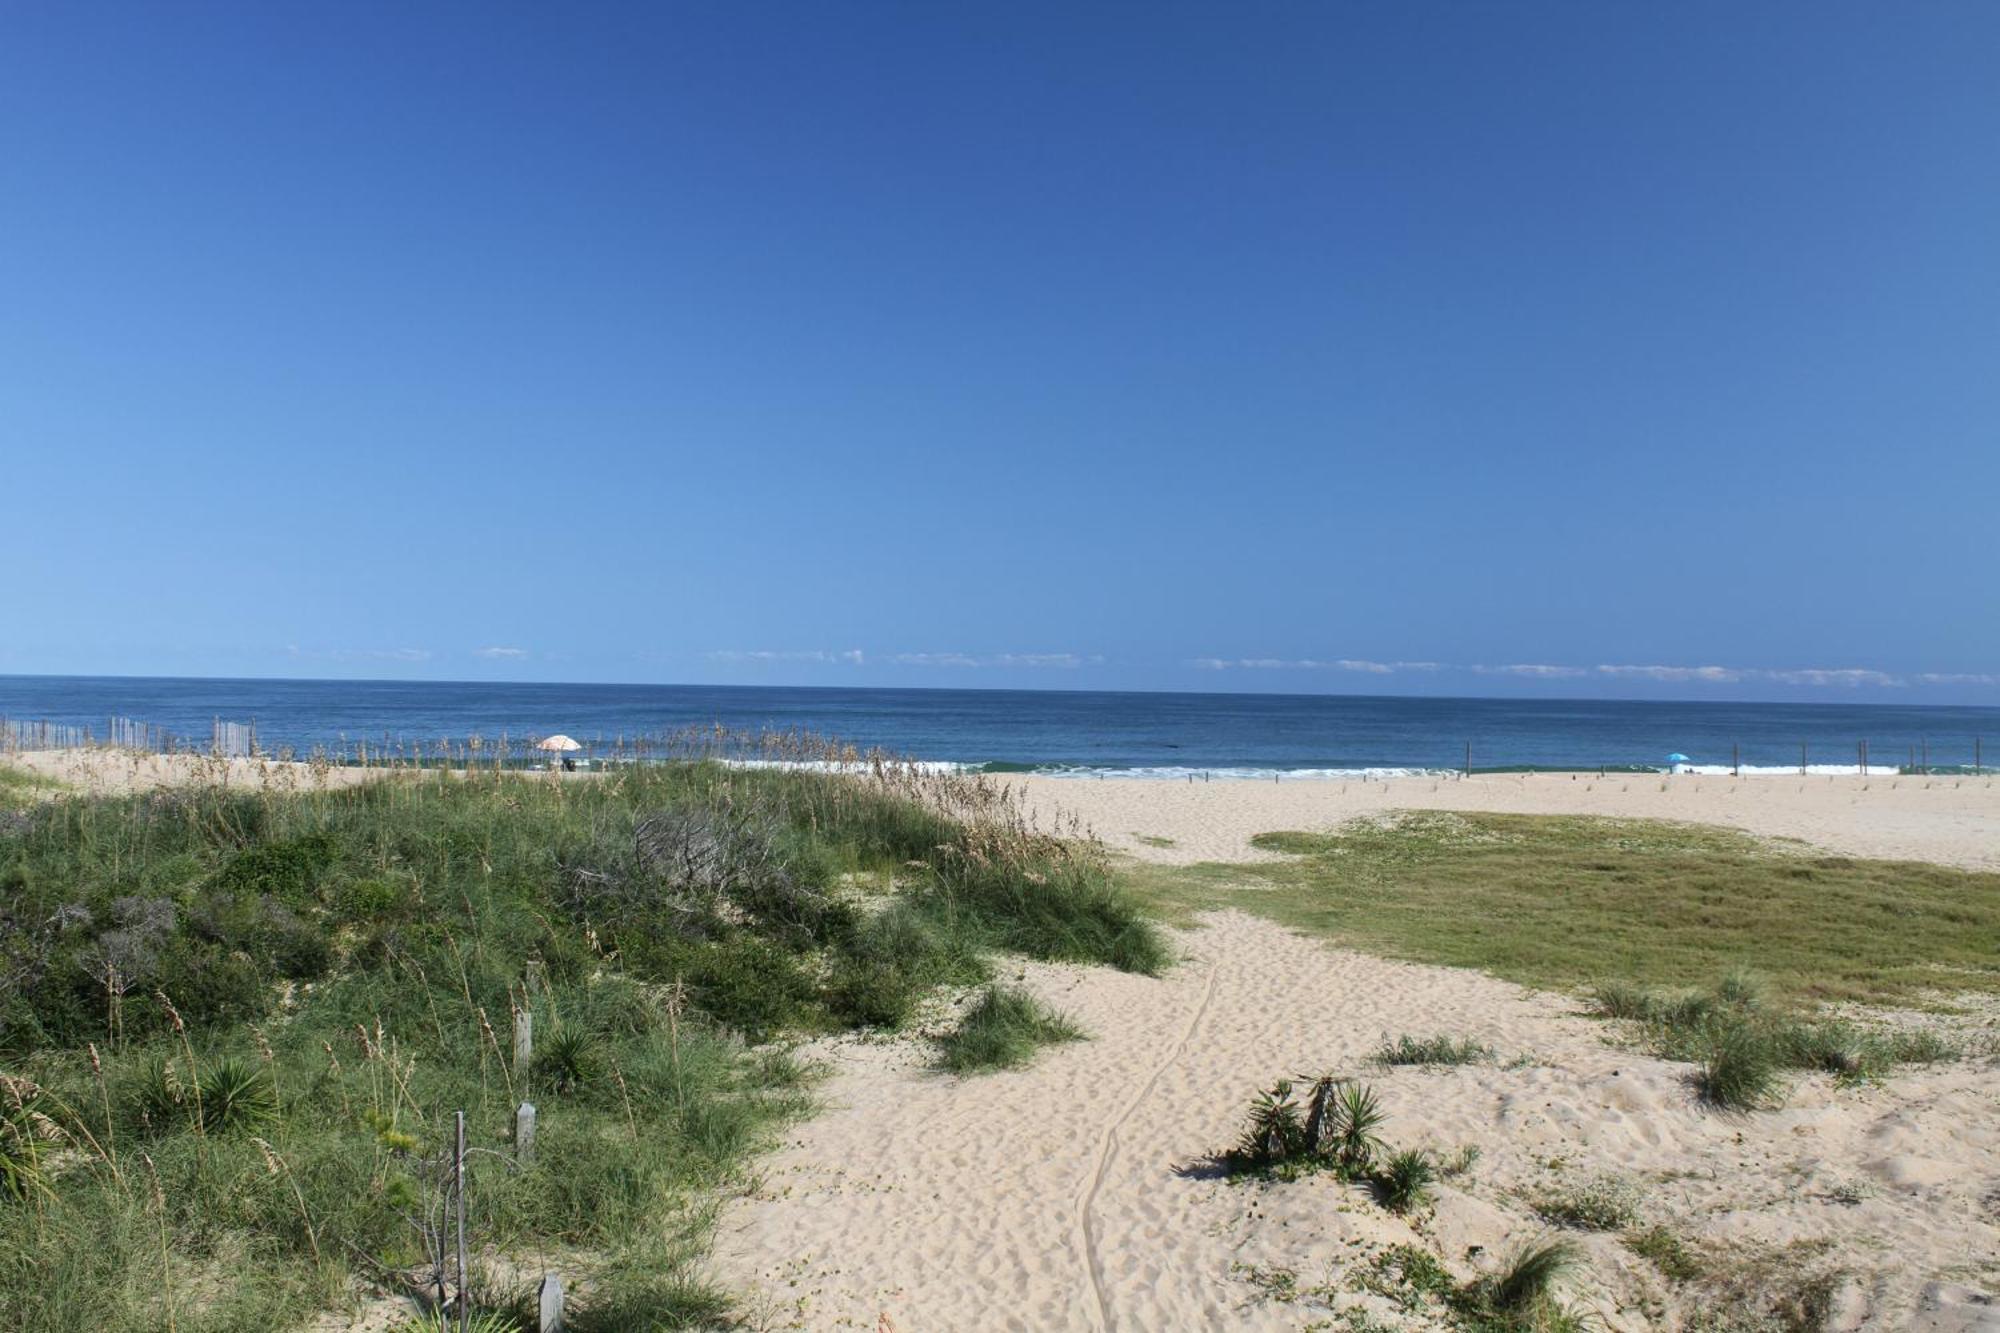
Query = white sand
x=1951 y=820
x=1071 y=1195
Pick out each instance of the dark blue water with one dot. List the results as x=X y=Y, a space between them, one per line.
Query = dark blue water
x=1156 y=734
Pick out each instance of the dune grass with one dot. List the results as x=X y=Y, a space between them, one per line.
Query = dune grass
x=19 y=788
x=234 y=1025
x=1559 y=901
x=1002 y=1030
x=1441 y=1049
x=1742 y=1043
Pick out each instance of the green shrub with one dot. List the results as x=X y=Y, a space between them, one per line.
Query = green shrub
x=569 y=1061
x=287 y=870
x=1002 y=1030
x=1043 y=899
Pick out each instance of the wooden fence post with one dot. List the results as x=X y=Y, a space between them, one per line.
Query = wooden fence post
x=458 y=1175
x=524 y=1134
x=549 y=1303
x=524 y=1041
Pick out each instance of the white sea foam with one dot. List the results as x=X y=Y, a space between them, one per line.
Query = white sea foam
x=1182 y=773
x=1788 y=770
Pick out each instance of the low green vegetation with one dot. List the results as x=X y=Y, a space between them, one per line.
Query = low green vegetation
x=1334 y=1128
x=1667 y=1252
x=1742 y=1043
x=1558 y=902
x=1523 y=1296
x=1438 y=1050
x=235 y=1026
x=1002 y=1030
x=19 y=788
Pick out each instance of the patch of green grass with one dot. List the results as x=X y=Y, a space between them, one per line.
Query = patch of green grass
x=1666 y=1252
x=1438 y=1050
x=1002 y=1030
x=1742 y=1045
x=1153 y=840
x=1560 y=901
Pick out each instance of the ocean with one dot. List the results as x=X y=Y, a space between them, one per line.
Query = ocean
x=1078 y=733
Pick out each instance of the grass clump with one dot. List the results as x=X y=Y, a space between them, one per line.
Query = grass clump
x=1742 y=1045
x=1043 y=897
x=1524 y=1294
x=1603 y=1204
x=1665 y=1251
x=1557 y=902
x=1002 y=1030
x=1740 y=1072
x=1438 y=1050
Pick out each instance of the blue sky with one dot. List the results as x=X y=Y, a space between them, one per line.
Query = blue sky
x=1569 y=348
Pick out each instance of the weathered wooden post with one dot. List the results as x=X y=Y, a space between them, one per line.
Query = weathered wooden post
x=524 y=1134
x=549 y=1304
x=524 y=1041
x=458 y=1178
x=1735 y=759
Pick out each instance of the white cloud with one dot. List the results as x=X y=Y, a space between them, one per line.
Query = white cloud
x=1710 y=674
x=1532 y=670
x=935 y=660
x=848 y=657
x=1959 y=678
x=500 y=654
x=1308 y=664
x=1064 y=661
x=359 y=654
x=1850 y=677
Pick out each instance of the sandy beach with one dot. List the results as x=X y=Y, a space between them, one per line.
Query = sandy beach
x=1074 y=1194
x=1949 y=820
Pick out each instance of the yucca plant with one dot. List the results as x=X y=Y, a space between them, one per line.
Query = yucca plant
x=1275 y=1133
x=1354 y=1116
x=1407 y=1181
x=569 y=1062
x=236 y=1095
x=229 y=1095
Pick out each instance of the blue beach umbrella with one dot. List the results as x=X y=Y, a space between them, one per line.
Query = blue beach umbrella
x=1678 y=758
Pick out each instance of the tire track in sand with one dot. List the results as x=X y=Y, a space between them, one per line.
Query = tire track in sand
x=1107 y=1146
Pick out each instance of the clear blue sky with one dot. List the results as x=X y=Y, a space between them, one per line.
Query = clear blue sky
x=1149 y=346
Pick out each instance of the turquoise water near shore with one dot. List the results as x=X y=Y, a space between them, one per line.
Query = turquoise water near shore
x=1079 y=733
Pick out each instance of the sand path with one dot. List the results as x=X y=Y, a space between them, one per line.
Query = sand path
x=1077 y=1194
